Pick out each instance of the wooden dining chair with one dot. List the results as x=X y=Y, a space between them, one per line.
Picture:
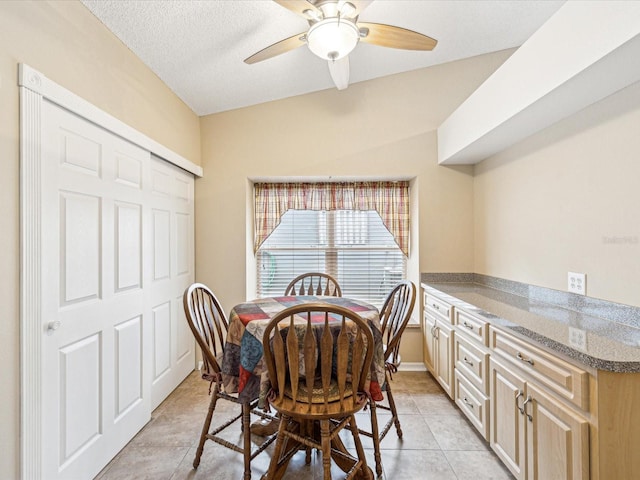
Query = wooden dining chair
x=209 y=325
x=314 y=283
x=318 y=356
x=394 y=316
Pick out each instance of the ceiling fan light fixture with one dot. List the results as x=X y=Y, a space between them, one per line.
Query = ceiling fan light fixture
x=333 y=38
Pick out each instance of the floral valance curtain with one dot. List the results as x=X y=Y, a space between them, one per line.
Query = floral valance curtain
x=389 y=199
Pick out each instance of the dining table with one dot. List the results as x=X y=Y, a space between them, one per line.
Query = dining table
x=244 y=370
x=243 y=367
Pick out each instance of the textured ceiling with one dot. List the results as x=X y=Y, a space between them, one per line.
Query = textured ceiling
x=197 y=47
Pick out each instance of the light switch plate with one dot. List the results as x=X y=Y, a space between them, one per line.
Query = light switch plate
x=577 y=283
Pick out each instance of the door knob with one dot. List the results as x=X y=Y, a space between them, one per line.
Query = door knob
x=51 y=326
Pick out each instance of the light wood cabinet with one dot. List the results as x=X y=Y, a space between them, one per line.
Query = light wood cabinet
x=507 y=422
x=471 y=362
x=444 y=355
x=564 y=379
x=438 y=308
x=546 y=415
x=536 y=435
x=476 y=328
x=428 y=329
x=439 y=351
x=438 y=336
x=557 y=439
x=473 y=403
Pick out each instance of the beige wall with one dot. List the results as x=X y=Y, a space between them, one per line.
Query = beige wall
x=375 y=129
x=545 y=206
x=67 y=44
x=567 y=199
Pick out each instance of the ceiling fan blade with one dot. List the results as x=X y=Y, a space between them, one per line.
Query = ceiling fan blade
x=339 y=70
x=395 y=37
x=283 y=46
x=299 y=7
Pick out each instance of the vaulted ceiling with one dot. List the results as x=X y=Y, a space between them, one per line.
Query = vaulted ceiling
x=197 y=47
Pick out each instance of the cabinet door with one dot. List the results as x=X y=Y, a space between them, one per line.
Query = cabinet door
x=429 y=342
x=444 y=352
x=557 y=439
x=507 y=429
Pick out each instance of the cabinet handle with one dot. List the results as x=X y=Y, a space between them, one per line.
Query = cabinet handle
x=466 y=325
x=522 y=359
x=435 y=306
x=520 y=394
x=467 y=402
x=467 y=361
x=436 y=332
x=524 y=407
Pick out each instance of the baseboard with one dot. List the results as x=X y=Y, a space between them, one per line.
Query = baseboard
x=412 y=367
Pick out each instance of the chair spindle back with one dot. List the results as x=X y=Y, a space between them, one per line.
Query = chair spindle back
x=394 y=316
x=208 y=323
x=314 y=283
x=335 y=357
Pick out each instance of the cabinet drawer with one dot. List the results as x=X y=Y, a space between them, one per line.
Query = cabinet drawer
x=472 y=362
x=437 y=307
x=476 y=328
x=567 y=380
x=474 y=404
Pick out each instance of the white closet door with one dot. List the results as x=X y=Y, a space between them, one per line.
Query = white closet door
x=110 y=323
x=171 y=260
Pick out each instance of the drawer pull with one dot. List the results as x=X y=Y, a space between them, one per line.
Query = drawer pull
x=467 y=325
x=435 y=306
x=467 y=361
x=467 y=402
x=519 y=407
x=521 y=358
x=524 y=407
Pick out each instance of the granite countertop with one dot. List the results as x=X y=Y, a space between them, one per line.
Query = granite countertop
x=610 y=345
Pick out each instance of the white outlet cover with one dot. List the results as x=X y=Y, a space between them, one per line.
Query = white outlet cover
x=578 y=338
x=577 y=283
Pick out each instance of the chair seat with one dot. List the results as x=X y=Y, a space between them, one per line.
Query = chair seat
x=318 y=394
x=317 y=409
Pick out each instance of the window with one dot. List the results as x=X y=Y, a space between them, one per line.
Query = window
x=353 y=246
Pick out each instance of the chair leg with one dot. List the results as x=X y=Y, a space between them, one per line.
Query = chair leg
x=274 y=464
x=207 y=424
x=365 y=471
x=325 y=442
x=392 y=406
x=246 y=433
x=375 y=436
x=308 y=431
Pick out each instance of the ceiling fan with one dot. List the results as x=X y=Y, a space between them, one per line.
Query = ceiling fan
x=334 y=31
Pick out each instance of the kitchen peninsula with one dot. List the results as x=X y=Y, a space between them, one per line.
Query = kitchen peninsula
x=547 y=377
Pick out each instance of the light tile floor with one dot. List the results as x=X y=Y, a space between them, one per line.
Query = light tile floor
x=438 y=443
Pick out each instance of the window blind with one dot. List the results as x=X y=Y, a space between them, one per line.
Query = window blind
x=352 y=246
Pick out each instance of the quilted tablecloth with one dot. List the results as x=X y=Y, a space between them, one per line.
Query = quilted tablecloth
x=243 y=368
